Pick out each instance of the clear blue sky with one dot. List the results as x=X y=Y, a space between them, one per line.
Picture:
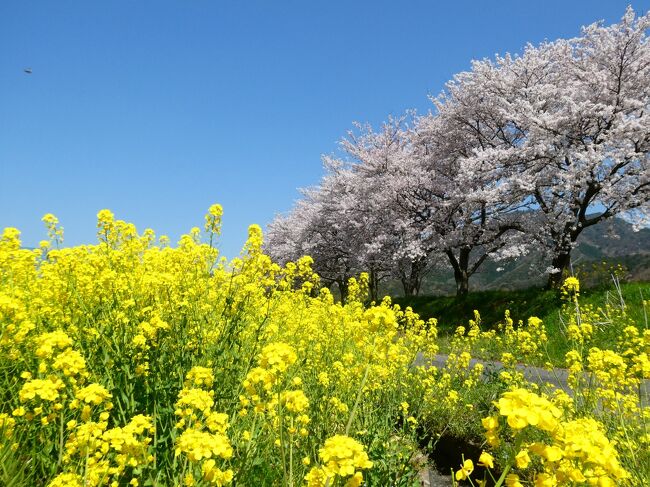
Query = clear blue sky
x=156 y=109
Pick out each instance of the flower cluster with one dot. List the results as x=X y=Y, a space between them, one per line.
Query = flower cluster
x=341 y=457
x=524 y=408
x=105 y=454
x=202 y=441
x=572 y=452
x=138 y=362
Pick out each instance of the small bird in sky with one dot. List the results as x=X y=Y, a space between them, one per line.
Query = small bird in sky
x=28 y=70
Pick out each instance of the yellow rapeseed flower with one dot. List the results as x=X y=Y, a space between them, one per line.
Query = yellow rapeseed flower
x=465 y=471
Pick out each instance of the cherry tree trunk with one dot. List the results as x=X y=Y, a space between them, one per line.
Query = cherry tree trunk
x=461 y=270
x=412 y=282
x=462 y=283
x=409 y=287
x=373 y=285
x=561 y=262
x=562 y=259
x=343 y=289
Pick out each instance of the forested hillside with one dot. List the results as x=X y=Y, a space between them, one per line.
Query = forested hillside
x=600 y=250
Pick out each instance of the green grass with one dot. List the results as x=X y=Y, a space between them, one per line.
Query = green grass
x=451 y=311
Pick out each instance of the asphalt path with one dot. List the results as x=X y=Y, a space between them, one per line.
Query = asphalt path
x=556 y=377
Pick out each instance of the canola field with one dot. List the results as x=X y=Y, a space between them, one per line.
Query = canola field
x=135 y=362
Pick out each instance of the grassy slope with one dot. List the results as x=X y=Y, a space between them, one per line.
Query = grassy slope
x=451 y=311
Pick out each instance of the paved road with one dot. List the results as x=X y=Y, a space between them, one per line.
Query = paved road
x=556 y=377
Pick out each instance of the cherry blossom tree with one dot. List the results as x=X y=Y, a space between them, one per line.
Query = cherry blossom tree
x=381 y=163
x=315 y=227
x=350 y=223
x=576 y=112
x=470 y=213
x=519 y=151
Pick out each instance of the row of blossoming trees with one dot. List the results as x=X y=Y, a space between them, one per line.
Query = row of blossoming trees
x=520 y=151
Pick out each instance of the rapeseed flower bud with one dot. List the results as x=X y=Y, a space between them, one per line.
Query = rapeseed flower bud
x=7 y=424
x=194 y=399
x=323 y=379
x=277 y=357
x=213 y=219
x=217 y=422
x=571 y=286
x=70 y=362
x=199 y=377
x=294 y=401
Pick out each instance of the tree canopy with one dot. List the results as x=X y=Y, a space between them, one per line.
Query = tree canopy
x=520 y=150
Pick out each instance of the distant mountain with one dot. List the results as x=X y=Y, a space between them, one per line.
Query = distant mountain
x=613 y=238
x=613 y=241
